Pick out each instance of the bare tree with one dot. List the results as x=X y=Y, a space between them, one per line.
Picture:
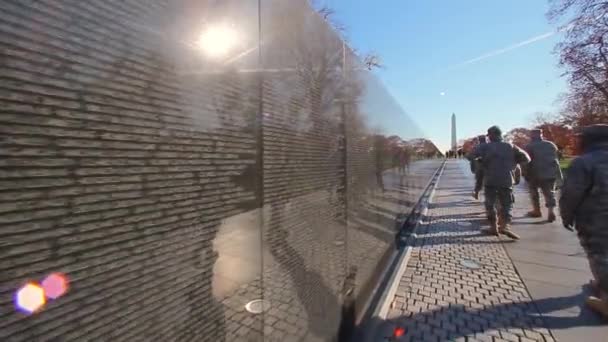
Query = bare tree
x=584 y=51
x=371 y=60
x=583 y=107
x=539 y=118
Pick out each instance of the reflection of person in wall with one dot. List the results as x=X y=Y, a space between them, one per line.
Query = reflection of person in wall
x=405 y=160
x=336 y=162
x=379 y=155
x=397 y=160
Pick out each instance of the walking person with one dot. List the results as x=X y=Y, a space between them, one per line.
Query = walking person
x=379 y=156
x=584 y=206
x=336 y=161
x=477 y=169
x=543 y=173
x=499 y=160
x=402 y=160
x=407 y=158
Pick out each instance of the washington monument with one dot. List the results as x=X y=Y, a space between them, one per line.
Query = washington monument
x=454 y=143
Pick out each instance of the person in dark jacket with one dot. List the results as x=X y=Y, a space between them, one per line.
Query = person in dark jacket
x=543 y=173
x=584 y=205
x=403 y=160
x=477 y=169
x=499 y=161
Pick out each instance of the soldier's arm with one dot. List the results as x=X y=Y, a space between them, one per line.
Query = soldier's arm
x=523 y=159
x=555 y=148
x=521 y=156
x=576 y=184
x=528 y=149
x=476 y=153
x=558 y=176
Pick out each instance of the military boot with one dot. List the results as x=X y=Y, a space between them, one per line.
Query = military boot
x=535 y=212
x=500 y=220
x=505 y=229
x=492 y=230
x=551 y=216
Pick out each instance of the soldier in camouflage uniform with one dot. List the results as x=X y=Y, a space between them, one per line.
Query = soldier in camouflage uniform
x=499 y=161
x=543 y=172
x=584 y=205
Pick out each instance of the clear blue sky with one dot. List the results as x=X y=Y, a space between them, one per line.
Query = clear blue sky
x=426 y=45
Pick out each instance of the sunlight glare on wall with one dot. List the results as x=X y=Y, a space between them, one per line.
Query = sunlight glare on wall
x=217 y=41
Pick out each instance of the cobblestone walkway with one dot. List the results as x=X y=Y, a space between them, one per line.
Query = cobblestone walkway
x=460 y=285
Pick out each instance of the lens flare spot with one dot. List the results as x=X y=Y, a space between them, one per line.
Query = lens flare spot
x=399 y=331
x=55 y=285
x=30 y=298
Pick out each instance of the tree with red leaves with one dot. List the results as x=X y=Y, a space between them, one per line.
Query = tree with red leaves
x=518 y=136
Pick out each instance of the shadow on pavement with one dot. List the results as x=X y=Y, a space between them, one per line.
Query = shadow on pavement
x=460 y=217
x=460 y=239
x=454 y=188
x=454 y=204
x=457 y=321
x=516 y=222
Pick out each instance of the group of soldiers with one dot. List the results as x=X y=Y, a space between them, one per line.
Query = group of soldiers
x=455 y=154
x=583 y=205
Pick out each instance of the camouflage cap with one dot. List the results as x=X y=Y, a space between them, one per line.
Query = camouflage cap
x=494 y=130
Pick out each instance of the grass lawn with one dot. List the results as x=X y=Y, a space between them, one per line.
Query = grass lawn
x=564 y=163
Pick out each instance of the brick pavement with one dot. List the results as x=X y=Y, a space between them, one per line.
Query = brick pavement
x=438 y=299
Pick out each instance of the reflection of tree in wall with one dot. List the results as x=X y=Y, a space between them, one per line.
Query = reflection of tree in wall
x=313 y=56
x=310 y=54
x=236 y=107
x=325 y=86
x=221 y=107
